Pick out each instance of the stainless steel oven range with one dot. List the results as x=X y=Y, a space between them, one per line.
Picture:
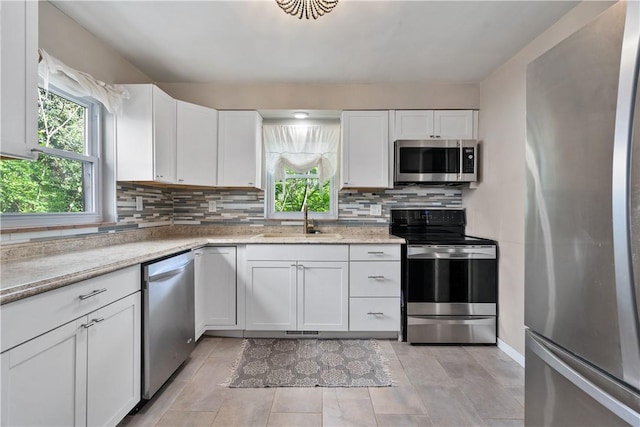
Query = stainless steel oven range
x=449 y=279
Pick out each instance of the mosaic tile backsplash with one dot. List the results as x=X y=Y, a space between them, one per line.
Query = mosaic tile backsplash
x=246 y=207
x=157 y=205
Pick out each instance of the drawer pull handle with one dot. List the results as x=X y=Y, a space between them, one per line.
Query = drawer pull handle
x=375 y=277
x=92 y=294
x=375 y=313
x=375 y=253
x=98 y=320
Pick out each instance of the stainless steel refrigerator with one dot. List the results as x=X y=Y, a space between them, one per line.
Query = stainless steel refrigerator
x=582 y=241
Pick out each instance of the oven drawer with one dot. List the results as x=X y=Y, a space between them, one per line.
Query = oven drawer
x=451 y=329
x=374 y=314
x=374 y=252
x=374 y=279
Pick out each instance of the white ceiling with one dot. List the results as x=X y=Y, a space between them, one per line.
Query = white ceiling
x=241 y=41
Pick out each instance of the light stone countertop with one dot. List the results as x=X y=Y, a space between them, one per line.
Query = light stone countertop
x=24 y=277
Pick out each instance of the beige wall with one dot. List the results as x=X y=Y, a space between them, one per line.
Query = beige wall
x=497 y=207
x=328 y=96
x=65 y=39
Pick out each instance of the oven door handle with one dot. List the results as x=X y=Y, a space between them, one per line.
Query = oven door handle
x=450 y=255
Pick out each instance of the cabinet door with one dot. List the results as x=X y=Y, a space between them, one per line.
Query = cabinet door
x=43 y=380
x=365 y=149
x=271 y=295
x=19 y=78
x=453 y=124
x=197 y=144
x=414 y=124
x=323 y=296
x=113 y=361
x=164 y=136
x=239 y=149
x=215 y=288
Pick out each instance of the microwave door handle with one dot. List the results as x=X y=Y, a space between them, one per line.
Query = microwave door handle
x=460 y=160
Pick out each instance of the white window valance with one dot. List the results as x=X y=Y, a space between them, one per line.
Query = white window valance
x=301 y=148
x=78 y=83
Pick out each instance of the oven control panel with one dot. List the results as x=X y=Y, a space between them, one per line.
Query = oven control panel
x=449 y=217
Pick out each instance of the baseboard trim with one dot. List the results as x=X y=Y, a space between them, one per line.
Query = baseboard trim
x=511 y=352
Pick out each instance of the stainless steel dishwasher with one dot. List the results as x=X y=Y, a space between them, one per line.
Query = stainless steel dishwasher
x=168 y=323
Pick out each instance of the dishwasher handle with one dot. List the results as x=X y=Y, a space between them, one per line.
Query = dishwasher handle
x=165 y=274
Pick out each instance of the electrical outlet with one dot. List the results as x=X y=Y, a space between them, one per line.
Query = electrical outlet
x=375 y=210
x=212 y=206
x=139 y=206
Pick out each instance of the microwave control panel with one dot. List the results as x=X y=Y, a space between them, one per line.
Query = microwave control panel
x=468 y=160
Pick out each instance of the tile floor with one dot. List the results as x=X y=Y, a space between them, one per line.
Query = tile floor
x=435 y=386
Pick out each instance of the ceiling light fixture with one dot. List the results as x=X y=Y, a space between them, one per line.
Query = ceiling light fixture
x=300 y=115
x=306 y=8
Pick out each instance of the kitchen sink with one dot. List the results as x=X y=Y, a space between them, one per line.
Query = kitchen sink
x=298 y=236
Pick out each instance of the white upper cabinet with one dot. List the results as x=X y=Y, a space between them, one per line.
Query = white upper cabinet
x=197 y=144
x=436 y=124
x=19 y=78
x=365 y=149
x=146 y=136
x=239 y=149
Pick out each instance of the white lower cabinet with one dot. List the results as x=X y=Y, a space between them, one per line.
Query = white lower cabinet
x=271 y=295
x=83 y=372
x=374 y=303
x=374 y=314
x=308 y=291
x=43 y=380
x=113 y=361
x=215 y=288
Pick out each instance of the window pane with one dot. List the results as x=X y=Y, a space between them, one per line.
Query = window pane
x=61 y=123
x=291 y=194
x=50 y=184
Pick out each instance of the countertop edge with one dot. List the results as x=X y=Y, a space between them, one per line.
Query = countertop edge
x=25 y=290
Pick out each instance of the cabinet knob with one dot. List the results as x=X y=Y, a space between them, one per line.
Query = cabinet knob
x=250 y=183
x=438 y=136
x=431 y=136
x=159 y=176
x=181 y=180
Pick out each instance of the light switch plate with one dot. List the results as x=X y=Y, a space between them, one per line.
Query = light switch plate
x=139 y=206
x=212 y=206
x=375 y=210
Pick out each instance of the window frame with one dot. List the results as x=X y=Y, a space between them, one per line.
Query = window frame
x=93 y=195
x=271 y=213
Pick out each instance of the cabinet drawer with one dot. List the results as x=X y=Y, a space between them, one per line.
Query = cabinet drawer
x=310 y=252
x=374 y=314
x=375 y=279
x=374 y=252
x=27 y=318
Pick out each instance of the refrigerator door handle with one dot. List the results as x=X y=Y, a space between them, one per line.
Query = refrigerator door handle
x=599 y=395
x=626 y=291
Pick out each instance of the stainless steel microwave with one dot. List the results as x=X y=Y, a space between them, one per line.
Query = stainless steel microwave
x=436 y=160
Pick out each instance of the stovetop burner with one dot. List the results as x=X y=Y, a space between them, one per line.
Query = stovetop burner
x=433 y=227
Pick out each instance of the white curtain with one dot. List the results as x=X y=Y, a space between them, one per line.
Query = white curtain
x=78 y=83
x=301 y=148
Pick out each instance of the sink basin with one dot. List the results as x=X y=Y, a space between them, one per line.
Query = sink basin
x=298 y=236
